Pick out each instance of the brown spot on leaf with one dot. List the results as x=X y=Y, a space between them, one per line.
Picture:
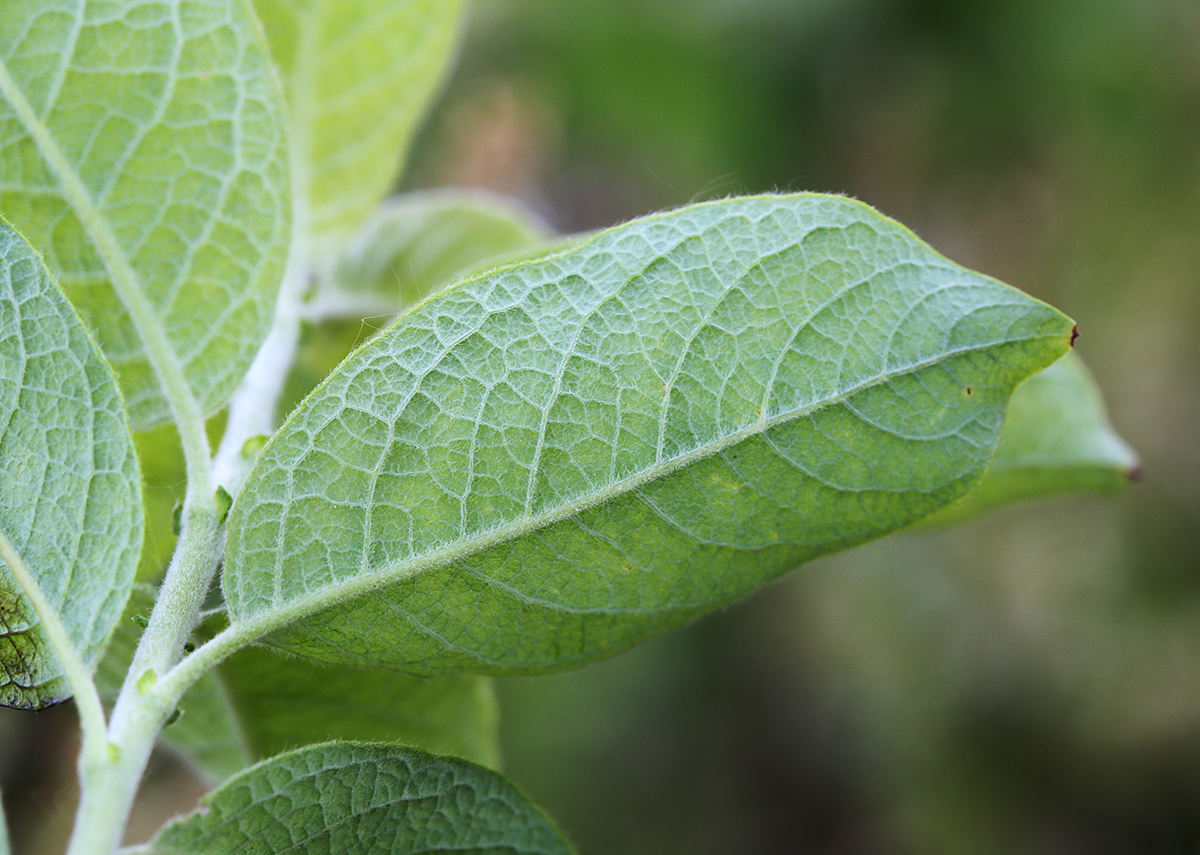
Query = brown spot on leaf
x=1074 y=334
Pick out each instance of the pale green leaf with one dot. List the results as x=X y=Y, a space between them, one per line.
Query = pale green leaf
x=547 y=463
x=360 y=799
x=1056 y=439
x=141 y=148
x=358 y=75
x=287 y=702
x=418 y=243
x=70 y=493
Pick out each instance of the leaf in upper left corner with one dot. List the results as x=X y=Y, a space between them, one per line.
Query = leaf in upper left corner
x=142 y=150
x=70 y=500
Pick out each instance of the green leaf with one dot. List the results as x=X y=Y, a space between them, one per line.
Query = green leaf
x=544 y=464
x=143 y=152
x=418 y=243
x=358 y=75
x=287 y=702
x=70 y=493
x=1056 y=439
x=358 y=799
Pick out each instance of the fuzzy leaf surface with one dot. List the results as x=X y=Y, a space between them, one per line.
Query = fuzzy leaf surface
x=70 y=492
x=545 y=464
x=1057 y=439
x=142 y=141
x=360 y=799
x=359 y=75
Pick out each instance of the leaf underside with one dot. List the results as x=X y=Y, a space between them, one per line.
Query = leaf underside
x=546 y=463
x=359 y=799
x=146 y=137
x=417 y=243
x=70 y=492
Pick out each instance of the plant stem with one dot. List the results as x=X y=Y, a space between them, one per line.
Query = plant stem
x=109 y=782
x=109 y=785
x=253 y=410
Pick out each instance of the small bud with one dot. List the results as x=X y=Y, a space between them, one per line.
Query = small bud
x=224 y=503
x=253 y=446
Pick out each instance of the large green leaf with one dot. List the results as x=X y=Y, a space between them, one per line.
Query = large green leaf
x=358 y=799
x=544 y=464
x=358 y=76
x=1056 y=439
x=70 y=493
x=141 y=147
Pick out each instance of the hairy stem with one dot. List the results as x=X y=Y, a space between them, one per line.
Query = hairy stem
x=253 y=411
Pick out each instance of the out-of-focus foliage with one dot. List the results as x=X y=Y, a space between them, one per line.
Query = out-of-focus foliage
x=1028 y=682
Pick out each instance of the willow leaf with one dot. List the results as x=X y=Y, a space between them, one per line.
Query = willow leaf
x=70 y=493
x=359 y=799
x=141 y=149
x=358 y=76
x=286 y=702
x=417 y=243
x=1056 y=439
x=544 y=464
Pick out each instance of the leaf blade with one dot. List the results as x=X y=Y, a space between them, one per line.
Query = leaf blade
x=71 y=504
x=361 y=798
x=358 y=77
x=170 y=190
x=286 y=702
x=554 y=447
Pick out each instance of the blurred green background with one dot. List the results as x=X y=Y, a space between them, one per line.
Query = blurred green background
x=1027 y=683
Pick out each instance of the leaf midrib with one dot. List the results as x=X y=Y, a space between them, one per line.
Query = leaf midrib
x=277 y=616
